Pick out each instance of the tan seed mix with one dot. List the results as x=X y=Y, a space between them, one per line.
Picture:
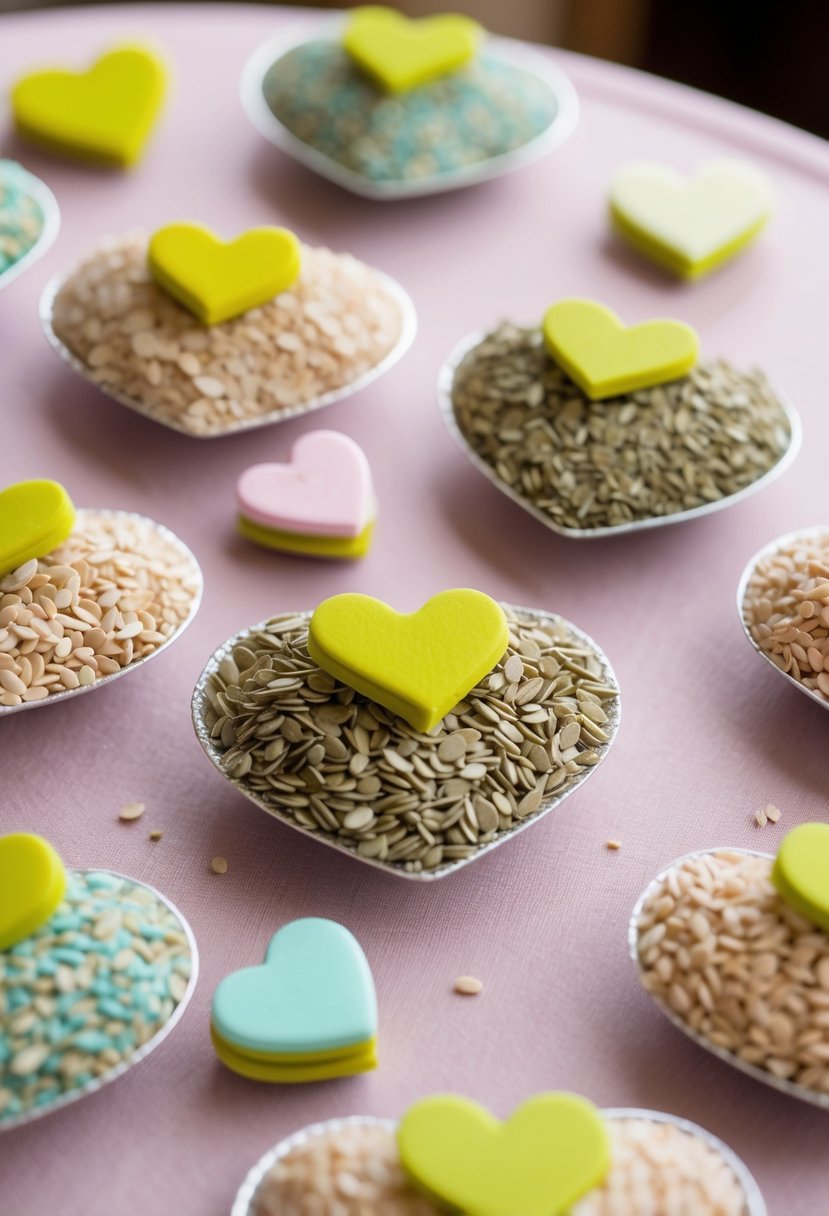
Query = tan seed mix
x=723 y=952
x=351 y=1171
x=662 y=1170
x=334 y=324
x=467 y=985
x=109 y=596
x=786 y=609
x=598 y=464
x=218 y=865
x=133 y=810
x=340 y=764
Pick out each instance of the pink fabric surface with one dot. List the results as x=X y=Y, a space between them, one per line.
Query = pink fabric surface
x=708 y=732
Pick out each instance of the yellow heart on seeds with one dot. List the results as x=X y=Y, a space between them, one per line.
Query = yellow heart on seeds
x=217 y=280
x=606 y=357
x=104 y=115
x=32 y=884
x=401 y=54
x=35 y=517
x=801 y=872
x=690 y=225
x=549 y=1153
x=418 y=665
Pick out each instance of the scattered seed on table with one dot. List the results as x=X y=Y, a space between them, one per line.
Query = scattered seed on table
x=218 y=865
x=614 y=844
x=387 y=791
x=467 y=985
x=588 y=465
x=760 y=818
x=156 y=834
x=772 y=813
x=133 y=810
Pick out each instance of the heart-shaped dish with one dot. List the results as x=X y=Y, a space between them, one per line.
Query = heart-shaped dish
x=445 y=388
x=246 y=1199
x=110 y=890
x=635 y=939
x=205 y=386
x=818 y=534
x=532 y=805
x=183 y=569
x=46 y=204
x=508 y=51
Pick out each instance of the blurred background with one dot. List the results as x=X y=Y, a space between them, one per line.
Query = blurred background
x=767 y=54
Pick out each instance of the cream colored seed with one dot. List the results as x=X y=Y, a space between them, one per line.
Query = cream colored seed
x=467 y=985
x=288 y=352
x=132 y=810
x=218 y=865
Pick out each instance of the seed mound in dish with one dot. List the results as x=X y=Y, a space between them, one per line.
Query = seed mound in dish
x=21 y=217
x=472 y=115
x=336 y=323
x=111 y=594
x=589 y=464
x=786 y=608
x=87 y=990
x=339 y=764
x=726 y=955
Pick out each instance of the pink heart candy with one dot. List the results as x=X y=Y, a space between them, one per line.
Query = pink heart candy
x=325 y=490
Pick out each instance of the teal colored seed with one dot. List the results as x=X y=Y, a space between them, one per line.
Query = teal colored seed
x=124 y=1041
x=46 y=965
x=18 y=998
x=112 y=1009
x=24 y=949
x=92 y=1041
x=73 y=958
x=65 y=922
x=44 y=1096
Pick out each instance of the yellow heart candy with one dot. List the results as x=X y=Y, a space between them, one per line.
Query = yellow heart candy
x=217 y=280
x=801 y=872
x=401 y=54
x=551 y=1151
x=606 y=358
x=35 y=517
x=32 y=884
x=419 y=666
x=690 y=225
x=104 y=115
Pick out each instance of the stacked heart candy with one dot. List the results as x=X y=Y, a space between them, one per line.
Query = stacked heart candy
x=321 y=503
x=556 y=1156
x=308 y=1013
x=595 y=427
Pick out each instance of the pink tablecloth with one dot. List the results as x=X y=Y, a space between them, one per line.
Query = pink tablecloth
x=708 y=735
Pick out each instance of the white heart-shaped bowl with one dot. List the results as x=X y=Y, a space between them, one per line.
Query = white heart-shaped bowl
x=68 y=1097
x=511 y=51
x=244 y=1202
x=816 y=533
x=408 y=328
x=201 y=707
x=445 y=384
x=197 y=582
x=48 y=204
x=728 y=1057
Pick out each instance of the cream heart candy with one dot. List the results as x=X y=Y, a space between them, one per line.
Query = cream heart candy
x=690 y=225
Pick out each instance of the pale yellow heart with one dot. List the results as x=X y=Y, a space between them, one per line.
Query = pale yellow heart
x=104 y=115
x=401 y=54
x=550 y=1152
x=605 y=358
x=217 y=280
x=418 y=665
x=690 y=225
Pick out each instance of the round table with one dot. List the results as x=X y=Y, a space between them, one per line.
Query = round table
x=709 y=734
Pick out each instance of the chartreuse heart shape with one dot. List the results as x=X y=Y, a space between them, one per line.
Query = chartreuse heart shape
x=35 y=517
x=690 y=225
x=308 y=1013
x=549 y=1153
x=32 y=884
x=418 y=665
x=400 y=54
x=217 y=280
x=104 y=115
x=801 y=872
x=605 y=357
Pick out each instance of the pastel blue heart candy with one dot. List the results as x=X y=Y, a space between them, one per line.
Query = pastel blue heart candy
x=313 y=993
